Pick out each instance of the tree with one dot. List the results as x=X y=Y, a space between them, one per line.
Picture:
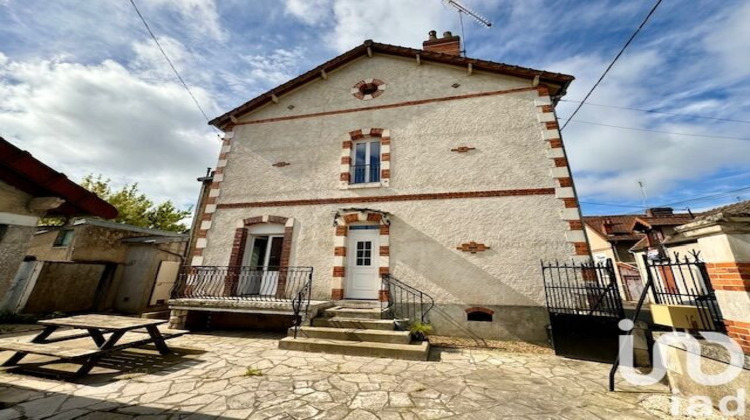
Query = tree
x=135 y=208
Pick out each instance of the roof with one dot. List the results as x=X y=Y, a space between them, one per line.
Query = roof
x=156 y=239
x=622 y=226
x=147 y=232
x=741 y=209
x=23 y=171
x=125 y=226
x=658 y=221
x=556 y=81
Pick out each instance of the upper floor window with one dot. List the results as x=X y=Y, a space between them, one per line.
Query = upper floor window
x=64 y=237
x=366 y=162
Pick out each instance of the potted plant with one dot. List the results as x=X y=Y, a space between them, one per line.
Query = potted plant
x=420 y=331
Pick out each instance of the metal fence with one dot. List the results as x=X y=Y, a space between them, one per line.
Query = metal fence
x=684 y=281
x=582 y=289
x=237 y=282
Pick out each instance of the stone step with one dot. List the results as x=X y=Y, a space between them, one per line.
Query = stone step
x=358 y=304
x=353 y=334
x=358 y=323
x=344 y=312
x=416 y=351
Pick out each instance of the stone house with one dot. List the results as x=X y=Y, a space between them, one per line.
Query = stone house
x=91 y=264
x=445 y=172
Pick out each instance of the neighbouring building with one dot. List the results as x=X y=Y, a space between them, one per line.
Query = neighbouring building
x=721 y=239
x=445 y=172
x=30 y=190
x=613 y=236
x=92 y=264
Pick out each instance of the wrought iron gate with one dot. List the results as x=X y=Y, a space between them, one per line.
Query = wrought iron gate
x=685 y=281
x=584 y=308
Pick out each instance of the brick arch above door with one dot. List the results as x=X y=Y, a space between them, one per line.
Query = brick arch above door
x=241 y=233
x=341 y=222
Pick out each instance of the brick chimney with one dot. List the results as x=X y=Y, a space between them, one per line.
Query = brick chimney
x=448 y=44
x=659 y=211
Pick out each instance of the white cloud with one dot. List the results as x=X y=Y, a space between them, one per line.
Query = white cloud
x=311 y=12
x=102 y=118
x=399 y=22
x=201 y=16
x=729 y=42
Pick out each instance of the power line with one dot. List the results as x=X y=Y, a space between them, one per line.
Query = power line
x=622 y=50
x=174 y=69
x=691 y=200
x=609 y=205
x=651 y=111
x=655 y=131
x=709 y=196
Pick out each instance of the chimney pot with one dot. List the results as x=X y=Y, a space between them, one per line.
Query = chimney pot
x=448 y=44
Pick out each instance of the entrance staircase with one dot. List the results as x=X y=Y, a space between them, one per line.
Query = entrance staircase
x=357 y=328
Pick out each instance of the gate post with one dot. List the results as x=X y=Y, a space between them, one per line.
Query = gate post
x=727 y=266
x=650 y=279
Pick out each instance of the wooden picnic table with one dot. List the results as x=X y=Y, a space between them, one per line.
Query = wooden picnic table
x=96 y=326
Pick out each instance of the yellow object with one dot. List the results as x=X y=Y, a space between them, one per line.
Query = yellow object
x=682 y=316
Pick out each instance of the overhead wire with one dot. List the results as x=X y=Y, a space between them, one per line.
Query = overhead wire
x=174 y=69
x=655 y=131
x=652 y=111
x=611 y=64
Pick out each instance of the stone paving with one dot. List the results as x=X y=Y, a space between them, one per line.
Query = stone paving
x=235 y=376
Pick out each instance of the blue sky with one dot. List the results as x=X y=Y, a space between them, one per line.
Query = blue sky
x=83 y=87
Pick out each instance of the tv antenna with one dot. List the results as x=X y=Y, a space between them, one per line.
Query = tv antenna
x=463 y=9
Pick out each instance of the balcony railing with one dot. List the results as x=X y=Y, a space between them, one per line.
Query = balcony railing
x=243 y=283
x=365 y=173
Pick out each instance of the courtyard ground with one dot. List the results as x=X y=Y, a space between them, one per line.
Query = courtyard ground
x=233 y=375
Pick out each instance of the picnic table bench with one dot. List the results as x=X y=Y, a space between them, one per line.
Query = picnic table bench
x=95 y=326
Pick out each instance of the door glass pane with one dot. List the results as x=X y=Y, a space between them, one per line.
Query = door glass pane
x=364 y=253
x=274 y=259
x=259 y=252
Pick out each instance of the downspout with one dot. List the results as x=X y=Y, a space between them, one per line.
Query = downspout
x=205 y=182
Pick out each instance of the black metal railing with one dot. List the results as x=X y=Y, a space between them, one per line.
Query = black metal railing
x=242 y=282
x=365 y=173
x=582 y=289
x=405 y=302
x=301 y=303
x=685 y=281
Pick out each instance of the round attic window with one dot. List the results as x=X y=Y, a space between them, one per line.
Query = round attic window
x=368 y=89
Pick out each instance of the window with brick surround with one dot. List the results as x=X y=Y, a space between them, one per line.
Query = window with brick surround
x=365 y=157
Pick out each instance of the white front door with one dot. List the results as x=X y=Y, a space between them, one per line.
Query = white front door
x=363 y=262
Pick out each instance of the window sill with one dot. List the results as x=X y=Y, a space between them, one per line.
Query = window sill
x=364 y=185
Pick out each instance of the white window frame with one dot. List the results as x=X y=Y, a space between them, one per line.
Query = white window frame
x=368 y=158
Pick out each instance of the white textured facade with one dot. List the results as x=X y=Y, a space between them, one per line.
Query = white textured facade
x=470 y=157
